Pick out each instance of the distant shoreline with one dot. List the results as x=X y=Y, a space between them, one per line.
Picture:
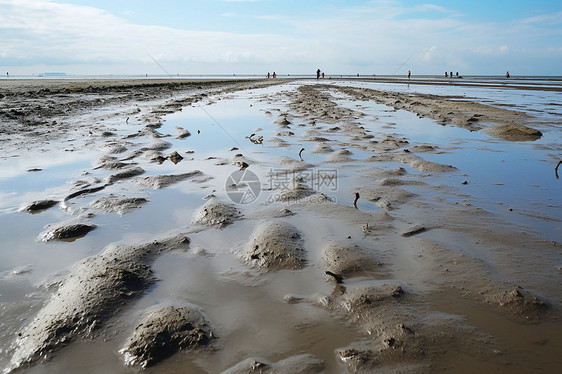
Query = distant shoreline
x=534 y=83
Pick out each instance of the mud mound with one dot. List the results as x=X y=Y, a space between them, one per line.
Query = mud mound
x=162 y=331
x=322 y=148
x=109 y=162
x=274 y=245
x=125 y=174
x=294 y=192
x=396 y=336
x=161 y=181
x=347 y=258
x=301 y=364
x=430 y=167
x=69 y=232
x=182 y=133
x=415 y=346
x=517 y=302
x=424 y=148
x=216 y=213
x=39 y=205
x=118 y=204
x=339 y=156
x=92 y=293
x=515 y=132
x=159 y=145
x=293 y=165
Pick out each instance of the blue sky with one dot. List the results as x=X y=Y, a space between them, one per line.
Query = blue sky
x=289 y=37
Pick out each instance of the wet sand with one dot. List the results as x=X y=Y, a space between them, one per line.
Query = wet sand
x=275 y=226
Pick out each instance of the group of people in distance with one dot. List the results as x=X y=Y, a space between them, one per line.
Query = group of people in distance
x=271 y=75
x=451 y=76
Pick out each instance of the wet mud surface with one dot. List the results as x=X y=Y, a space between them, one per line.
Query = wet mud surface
x=252 y=227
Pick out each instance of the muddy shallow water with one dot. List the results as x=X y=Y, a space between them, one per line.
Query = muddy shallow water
x=450 y=258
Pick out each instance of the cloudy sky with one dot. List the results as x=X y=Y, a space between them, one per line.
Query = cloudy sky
x=286 y=36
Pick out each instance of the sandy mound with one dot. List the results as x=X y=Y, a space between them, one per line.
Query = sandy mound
x=114 y=147
x=274 y=245
x=182 y=133
x=118 y=204
x=301 y=364
x=321 y=148
x=125 y=174
x=66 y=231
x=293 y=165
x=39 y=205
x=216 y=213
x=159 y=145
x=347 y=258
x=516 y=302
x=294 y=192
x=339 y=156
x=515 y=132
x=161 y=181
x=393 y=334
x=93 y=292
x=110 y=162
x=162 y=331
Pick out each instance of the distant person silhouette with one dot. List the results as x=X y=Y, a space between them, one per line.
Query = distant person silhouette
x=318 y=74
x=507 y=75
x=409 y=74
x=451 y=74
x=7 y=75
x=274 y=75
x=446 y=75
x=268 y=75
x=322 y=75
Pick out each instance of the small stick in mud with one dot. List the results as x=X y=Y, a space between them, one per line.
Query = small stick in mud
x=556 y=169
x=300 y=154
x=337 y=277
x=356 y=198
x=366 y=230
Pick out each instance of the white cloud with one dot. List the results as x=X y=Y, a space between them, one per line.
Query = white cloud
x=428 y=54
x=545 y=19
x=63 y=32
x=376 y=37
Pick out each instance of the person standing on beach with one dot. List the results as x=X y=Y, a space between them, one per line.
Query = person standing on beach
x=7 y=75
x=507 y=75
x=318 y=74
x=322 y=75
x=409 y=74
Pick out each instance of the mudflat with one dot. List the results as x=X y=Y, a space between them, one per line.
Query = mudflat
x=283 y=226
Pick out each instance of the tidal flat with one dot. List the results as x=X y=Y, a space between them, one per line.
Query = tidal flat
x=284 y=226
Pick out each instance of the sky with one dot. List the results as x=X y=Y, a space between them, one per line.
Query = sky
x=379 y=37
